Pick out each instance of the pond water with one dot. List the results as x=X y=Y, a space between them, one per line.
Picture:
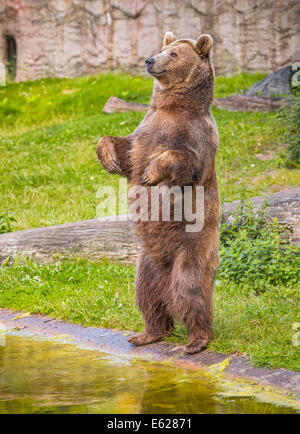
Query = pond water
x=51 y=377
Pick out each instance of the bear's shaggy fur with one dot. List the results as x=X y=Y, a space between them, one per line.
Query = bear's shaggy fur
x=175 y=144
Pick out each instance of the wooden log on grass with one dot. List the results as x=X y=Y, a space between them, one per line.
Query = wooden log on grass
x=117 y=105
x=93 y=239
x=231 y=103
x=104 y=238
x=249 y=103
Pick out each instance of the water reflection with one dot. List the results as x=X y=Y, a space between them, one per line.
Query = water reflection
x=49 y=377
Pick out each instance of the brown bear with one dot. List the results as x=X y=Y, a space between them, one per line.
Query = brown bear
x=175 y=144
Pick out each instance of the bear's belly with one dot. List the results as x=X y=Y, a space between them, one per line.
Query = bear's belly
x=163 y=240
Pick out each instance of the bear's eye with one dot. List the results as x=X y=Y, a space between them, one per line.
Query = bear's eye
x=173 y=54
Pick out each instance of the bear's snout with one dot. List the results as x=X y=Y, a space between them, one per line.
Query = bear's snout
x=149 y=62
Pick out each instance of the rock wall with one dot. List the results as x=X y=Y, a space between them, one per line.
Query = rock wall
x=74 y=37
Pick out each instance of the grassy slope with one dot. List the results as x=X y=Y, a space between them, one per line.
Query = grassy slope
x=48 y=135
x=49 y=175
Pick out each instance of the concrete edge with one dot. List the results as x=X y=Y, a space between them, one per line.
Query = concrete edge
x=115 y=342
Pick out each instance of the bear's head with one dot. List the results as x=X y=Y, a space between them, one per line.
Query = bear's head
x=181 y=60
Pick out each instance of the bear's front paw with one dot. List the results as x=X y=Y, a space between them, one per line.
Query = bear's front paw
x=152 y=174
x=107 y=155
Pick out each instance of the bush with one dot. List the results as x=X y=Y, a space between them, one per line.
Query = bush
x=289 y=117
x=253 y=251
x=6 y=220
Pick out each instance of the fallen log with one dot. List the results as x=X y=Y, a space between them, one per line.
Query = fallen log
x=93 y=239
x=114 y=105
x=231 y=103
x=114 y=238
x=249 y=103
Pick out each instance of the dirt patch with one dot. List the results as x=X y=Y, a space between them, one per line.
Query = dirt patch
x=267 y=155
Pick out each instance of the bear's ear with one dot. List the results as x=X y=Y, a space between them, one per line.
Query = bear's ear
x=169 y=38
x=204 y=44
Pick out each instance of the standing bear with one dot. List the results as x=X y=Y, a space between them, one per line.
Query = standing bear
x=174 y=145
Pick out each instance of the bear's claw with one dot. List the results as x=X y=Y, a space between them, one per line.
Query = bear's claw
x=144 y=339
x=196 y=347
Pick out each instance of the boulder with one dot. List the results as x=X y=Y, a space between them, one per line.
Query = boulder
x=276 y=84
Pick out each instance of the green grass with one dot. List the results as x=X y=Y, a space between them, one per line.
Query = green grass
x=81 y=291
x=101 y=294
x=49 y=130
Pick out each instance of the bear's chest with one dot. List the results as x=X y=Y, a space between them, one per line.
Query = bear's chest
x=156 y=134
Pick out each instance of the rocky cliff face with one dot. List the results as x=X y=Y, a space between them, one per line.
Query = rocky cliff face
x=74 y=37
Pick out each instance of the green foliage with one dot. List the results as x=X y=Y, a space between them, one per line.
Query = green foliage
x=52 y=100
x=289 y=117
x=253 y=252
x=238 y=83
x=81 y=291
x=6 y=220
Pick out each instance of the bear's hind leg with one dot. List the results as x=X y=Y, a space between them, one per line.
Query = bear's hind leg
x=192 y=286
x=150 y=286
